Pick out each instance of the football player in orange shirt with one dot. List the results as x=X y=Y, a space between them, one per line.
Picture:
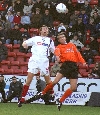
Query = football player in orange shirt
x=68 y=55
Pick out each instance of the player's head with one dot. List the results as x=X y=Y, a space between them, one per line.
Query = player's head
x=44 y=30
x=14 y=79
x=61 y=38
x=1 y=78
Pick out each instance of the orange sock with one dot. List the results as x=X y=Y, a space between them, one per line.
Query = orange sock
x=67 y=93
x=47 y=88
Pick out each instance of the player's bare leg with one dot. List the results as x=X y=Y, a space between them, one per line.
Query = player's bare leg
x=25 y=88
x=68 y=92
x=47 y=79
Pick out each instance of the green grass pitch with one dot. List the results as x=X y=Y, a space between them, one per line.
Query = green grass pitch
x=41 y=109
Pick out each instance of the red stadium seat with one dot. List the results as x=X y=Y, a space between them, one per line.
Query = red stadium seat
x=28 y=55
x=23 y=66
x=56 y=23
x=14 y=65
x=16 y=48
x=91 y=66
x=1 y=71
x=5 y=64
x=93 y=2
x=18 y=71
x=96 y=59
x=81 y=71
x=85 y=74
x=81 y=66
x=8 y=71
x=11 y=56
x=9 y=47
x=25 y=72
x=20 y=56
x=33 y=31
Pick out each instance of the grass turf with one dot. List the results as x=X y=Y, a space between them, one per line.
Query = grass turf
x=40 y=109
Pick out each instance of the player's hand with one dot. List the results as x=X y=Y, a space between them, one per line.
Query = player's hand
x=24 y=45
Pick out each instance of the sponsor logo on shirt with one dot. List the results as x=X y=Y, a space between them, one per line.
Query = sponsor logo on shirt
x=44 y=44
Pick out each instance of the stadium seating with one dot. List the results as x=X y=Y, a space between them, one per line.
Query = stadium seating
x=96 y=59
x=91 y=66
x=81 y=66
x=56 y=23
x=93 y=2
x=16 y=48
x=23 y=66
x=14 y=65
x=85 y=74
x=8 y=72
x=83 y=70
x=1 y=71
x=5 y=64
x=18 y=71
x=9 y=46
x=20 y=56
x=11 y=56
x=33 y=31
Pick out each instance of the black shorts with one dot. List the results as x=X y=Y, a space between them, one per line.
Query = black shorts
x=69 y=70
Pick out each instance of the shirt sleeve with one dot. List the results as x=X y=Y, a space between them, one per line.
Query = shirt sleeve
x=78 y=55
x=30 y=41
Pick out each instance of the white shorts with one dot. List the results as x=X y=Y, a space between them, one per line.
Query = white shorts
x=39 y=65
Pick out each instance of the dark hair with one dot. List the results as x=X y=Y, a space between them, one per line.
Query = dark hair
x=66 y=35
x=41 y=27
x=13 y=77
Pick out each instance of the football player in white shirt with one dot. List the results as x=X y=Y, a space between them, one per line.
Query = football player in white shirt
x=38 y=62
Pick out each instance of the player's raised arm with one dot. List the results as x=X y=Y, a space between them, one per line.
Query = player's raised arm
x=79 y=56
x=28 y=42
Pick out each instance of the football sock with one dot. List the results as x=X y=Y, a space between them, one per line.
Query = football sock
x=67 y=93
x=47 y=88
x=24 y=92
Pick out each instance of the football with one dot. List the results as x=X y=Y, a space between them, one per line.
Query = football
x=61 y=8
